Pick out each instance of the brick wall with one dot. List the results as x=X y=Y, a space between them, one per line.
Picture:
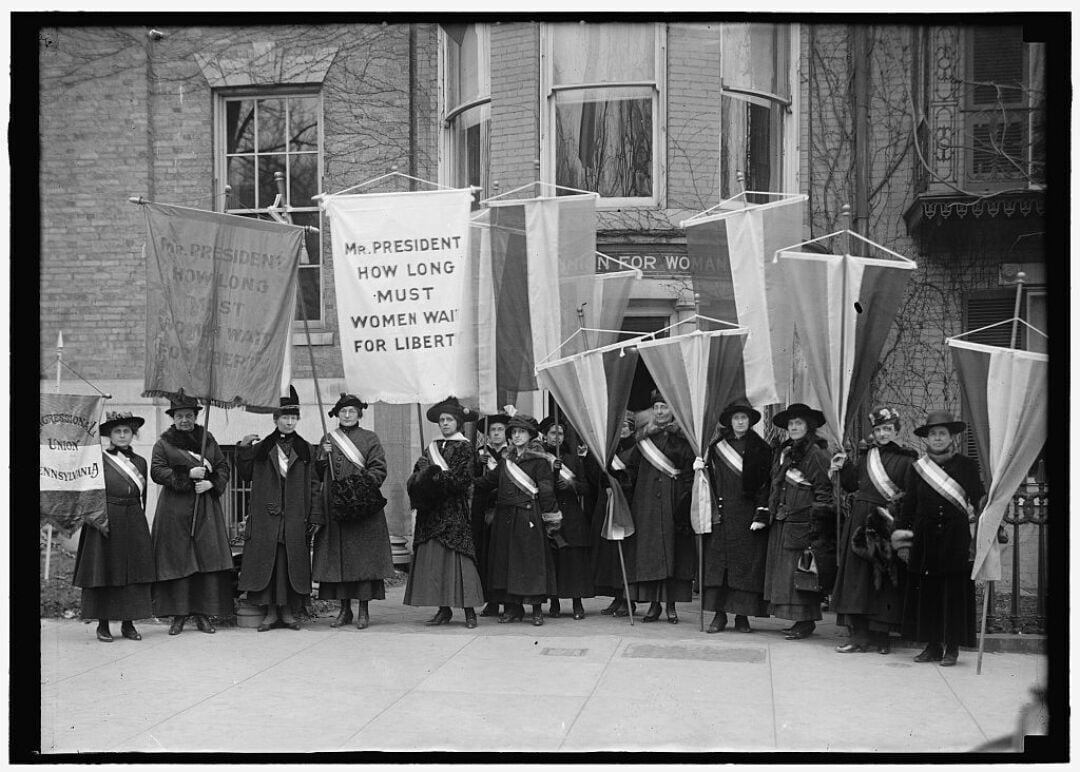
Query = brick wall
x=515 y=119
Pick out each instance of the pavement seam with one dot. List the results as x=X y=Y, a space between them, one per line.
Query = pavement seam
x=584 y=702
x=407 y=692
x=772 y=696
x=142 y=650
x=974 y=720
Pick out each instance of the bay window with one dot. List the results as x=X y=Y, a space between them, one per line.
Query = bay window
x=466 y=106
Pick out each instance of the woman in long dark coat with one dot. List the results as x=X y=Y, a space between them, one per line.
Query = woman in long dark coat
x=573 y=545
x=115 y=566
x=194 y=575
x=607 y=569
x=444 y=571
x=663 y=555
x=801 y=506
x=868 y=594
x=483 y=504
x=352 y=558
x=521 y=569
x=276 y=570
x=942 y=491
x=739 y=462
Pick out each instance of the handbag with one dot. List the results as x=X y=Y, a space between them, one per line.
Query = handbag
x=806 y=572
x=355 y=498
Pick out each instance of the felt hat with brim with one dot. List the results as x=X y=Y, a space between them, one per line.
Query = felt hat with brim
x=523 y=421
x=451 y=406
x=884 y=415
x=114 y=419
x=940 y=418
x=184 y=402
x=486 y=421
x=798 y=410
x=739 y=407
x=347 y=400
x=548 y=422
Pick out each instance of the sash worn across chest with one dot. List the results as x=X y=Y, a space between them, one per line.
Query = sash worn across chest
x=565 y=472
x=437 y=456
x=879 y=477
x=120 y=462
x=200 y=461
x=796 y=477
x=283 y=462
x=944 y=485
x=731 y=458
x=657 y=458
x=520 y=478
x=348 y=448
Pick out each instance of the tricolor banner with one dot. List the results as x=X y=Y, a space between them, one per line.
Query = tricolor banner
x=731 y=247
x=1005 y=398
x=71 y=484
x=698 y=373
x=844 y=306
x=404 y=294
x=220 y=299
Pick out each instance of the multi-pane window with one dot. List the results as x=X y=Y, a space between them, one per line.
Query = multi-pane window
x=263 y=134
x=467 y=105
x=756 y=97
x=604 y=109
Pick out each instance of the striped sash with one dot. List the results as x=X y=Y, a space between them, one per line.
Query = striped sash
x=617 y=464
x=347 y=447
x=565 y=472
x=519 y=478
x=437 y=456
x=945 y=486
x=122 y=464
x=200 y=461
x=656 y=457
x=879 y=477
x=796 y=477
x=729 y=456
x=282 y=462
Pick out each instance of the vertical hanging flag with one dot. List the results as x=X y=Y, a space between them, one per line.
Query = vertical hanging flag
x=71 y=487
x=403 y=282
x=698 y=373
x=844 y=306
x=220 y=295
x=1005 y=391
x=731 y=248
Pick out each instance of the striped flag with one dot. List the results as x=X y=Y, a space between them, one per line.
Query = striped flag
x=731 y=248
x=698 y=373
x=843 y=310
x=1005 y=396
x=592 y=388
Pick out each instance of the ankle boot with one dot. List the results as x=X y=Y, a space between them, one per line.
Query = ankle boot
x=127 y=629
x=951 y=655
x=270 y=618
x=362 y=619
x=932 y=653
x=718 y=623
x=742 y=624
x=344 y=614
x=537 y=615
x=103 y=633
x=579 y=610
x=653 y=613
x=177 y=625
x=554 y=609
x=442 y=616
x=610 y=609
x=470 y=618
x=288 y=619
x=672 y=614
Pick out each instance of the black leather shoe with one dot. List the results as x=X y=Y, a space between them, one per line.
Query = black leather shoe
x=579 y=610
x=610 y=610
x=622 y=610
x=801 y=630
x=442 y=616
x=104 y=636
x=362 y=618
x=718 y=623
x=177 y=625
x=884 y=648
x=652 y=614
x=490 y=610
x=344 y=616
x=673 y=616
x=950 y=657
x=128 y=631
x=538 y=618
x=931 y=653
x=470 y=618
x=554 y=609
x=851 y=648
x=742 y=624
x=204 y=624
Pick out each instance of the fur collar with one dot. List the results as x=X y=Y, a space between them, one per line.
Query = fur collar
x=185 y=440
x=650 y=429
x=532 y=449
x=299 y=444
x=892 y=447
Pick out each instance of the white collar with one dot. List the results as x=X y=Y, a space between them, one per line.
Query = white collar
x=456 y=436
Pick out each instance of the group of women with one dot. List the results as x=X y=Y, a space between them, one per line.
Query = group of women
x=516 y=524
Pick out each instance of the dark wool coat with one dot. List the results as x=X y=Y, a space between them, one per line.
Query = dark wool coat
x=351 y=550
x=607 y=570
x=520 y=560
x=176 y=554
x=125 y=556
x=803 y=516
x=735 y=555
x=575 y=525
x=855 y=591
x=448 y=522
x=483 y=512
x=278 y=512
x=663 y=543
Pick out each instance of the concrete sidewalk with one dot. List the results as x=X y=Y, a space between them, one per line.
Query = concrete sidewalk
x=596 y=684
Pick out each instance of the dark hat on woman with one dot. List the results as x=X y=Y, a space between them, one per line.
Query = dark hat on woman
x=798 y=410
x=739 y=407
x=348 y=400
x=655 y=396
x=451 y=406
x=486 y=421
x=290 y=405
x=183 y=402
x=548 y=422
x=114 y=419
x=523 y=421
x=940 y=418
x=884 y=415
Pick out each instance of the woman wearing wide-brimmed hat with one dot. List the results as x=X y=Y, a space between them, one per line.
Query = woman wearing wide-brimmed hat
x=115 y=565
x=868 y=594
x=493 y=427
x=572 y=546
x=444 y=571
x=942 y=494
x=739 y=464
x=521 y=569
x=802 y=518
x=194 y=573
x=352 y=557
x=662 y=554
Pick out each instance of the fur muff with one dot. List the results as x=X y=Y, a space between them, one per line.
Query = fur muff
x=427 y=489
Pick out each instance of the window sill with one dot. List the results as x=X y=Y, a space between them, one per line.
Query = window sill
x=317 y=338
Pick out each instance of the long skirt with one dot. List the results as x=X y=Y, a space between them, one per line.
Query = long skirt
x=854 y=593
x=278 y=591
x=939 y=609
x=663 y=591
x=740 y=602
x=369 y=589
x=784 y=600
x=210 y=594
x=573 y=573
x=128 y=602
x=442 y=577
